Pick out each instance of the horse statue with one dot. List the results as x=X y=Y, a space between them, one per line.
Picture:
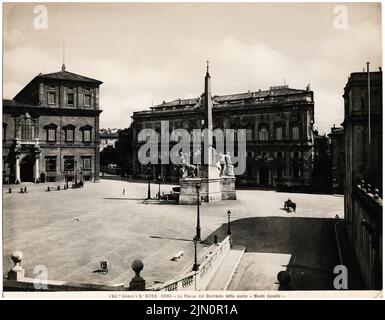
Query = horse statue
x=187 y=170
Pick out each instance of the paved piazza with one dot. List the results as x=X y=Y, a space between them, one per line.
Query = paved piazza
x=69 y=231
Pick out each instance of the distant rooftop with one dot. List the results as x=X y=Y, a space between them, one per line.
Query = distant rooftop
x=273 y=92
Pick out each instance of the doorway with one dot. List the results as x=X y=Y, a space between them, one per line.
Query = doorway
x=26 y=168
x=264 y=176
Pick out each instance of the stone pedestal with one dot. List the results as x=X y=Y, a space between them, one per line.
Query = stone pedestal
x=228 y=188
x=211 y=190
x=188 y=192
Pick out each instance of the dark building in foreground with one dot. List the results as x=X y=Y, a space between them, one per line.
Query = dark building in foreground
x=363 y=172
x=337 y=150
x=51 y=130
x=279 y=133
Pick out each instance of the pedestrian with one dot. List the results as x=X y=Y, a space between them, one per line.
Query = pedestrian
x=124 y=191
x=25 y=189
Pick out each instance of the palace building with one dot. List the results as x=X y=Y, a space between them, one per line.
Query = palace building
x=363 y=172
x=279 y=133
x=51 y=130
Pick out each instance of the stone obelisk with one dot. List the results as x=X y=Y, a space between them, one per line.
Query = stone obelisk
x=209 y=172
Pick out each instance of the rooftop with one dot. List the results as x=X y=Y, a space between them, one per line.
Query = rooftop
x=68 y=76
x=274 y=93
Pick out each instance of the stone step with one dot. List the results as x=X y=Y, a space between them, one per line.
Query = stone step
x=226 y=271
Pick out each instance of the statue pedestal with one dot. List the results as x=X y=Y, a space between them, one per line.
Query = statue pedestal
x=188 y=192
x=228 y=188
x=210 y=190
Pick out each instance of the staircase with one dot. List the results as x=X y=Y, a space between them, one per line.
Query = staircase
x=225 y=272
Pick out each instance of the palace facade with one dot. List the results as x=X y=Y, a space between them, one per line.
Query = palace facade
x=279 y=133
x=363 y=172
x=51 y=130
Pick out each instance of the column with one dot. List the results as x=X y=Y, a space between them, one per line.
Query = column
x=37 y=170
x=18 y=169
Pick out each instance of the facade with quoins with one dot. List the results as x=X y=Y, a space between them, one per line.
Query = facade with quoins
x=279 y=133
x=51 y=130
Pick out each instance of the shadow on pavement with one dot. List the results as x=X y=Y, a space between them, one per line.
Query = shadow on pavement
x=311 y=241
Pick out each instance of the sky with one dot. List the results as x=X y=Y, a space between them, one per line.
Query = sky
x=149 y=52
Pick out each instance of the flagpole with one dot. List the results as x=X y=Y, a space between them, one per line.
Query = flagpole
x=369 y=116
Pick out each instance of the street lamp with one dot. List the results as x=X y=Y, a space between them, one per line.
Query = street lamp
x=196 y=265
x=159 y=181
x=228 y=223
x=198 y=228
x=76 y=174
x=148 y=182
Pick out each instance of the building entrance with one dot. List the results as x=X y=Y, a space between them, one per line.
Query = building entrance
x=26 y=168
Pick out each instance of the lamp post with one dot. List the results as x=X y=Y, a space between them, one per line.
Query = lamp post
x=196 y=265
x=228 y=223
x=76 y=173
x=159 y=181
x=148 y=182
x=198 y=228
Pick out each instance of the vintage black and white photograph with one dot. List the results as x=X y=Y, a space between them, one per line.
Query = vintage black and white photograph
x=192 y=150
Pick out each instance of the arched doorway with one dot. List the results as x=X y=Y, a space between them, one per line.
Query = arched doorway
x=264 y=176
x=26 y=168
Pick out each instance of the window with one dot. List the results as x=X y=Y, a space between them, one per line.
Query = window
x=51 y=135
x=278 y=133
x=69 y=135
x=70 y=99
x=280 y=154
x=4 y=131
x=51 y=98
x=279 y=173
x=50 y=163
x=263 y=134
x=87 y=99
x=295 y=133
x=296 y=172
x=50 y=132
x=69 y=163
x=249 y=134
x=69 y=131
x=86 y=135
x=296 y=154
x=27 y=130
x=86 y=163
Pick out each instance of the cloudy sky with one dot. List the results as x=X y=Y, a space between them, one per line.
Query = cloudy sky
x=147 y=53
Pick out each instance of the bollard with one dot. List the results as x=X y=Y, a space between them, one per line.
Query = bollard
x=10 y=190
x=48 y=189
x=137 y=283
x=215 y=239
x=17 y=271
x=21 y=190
